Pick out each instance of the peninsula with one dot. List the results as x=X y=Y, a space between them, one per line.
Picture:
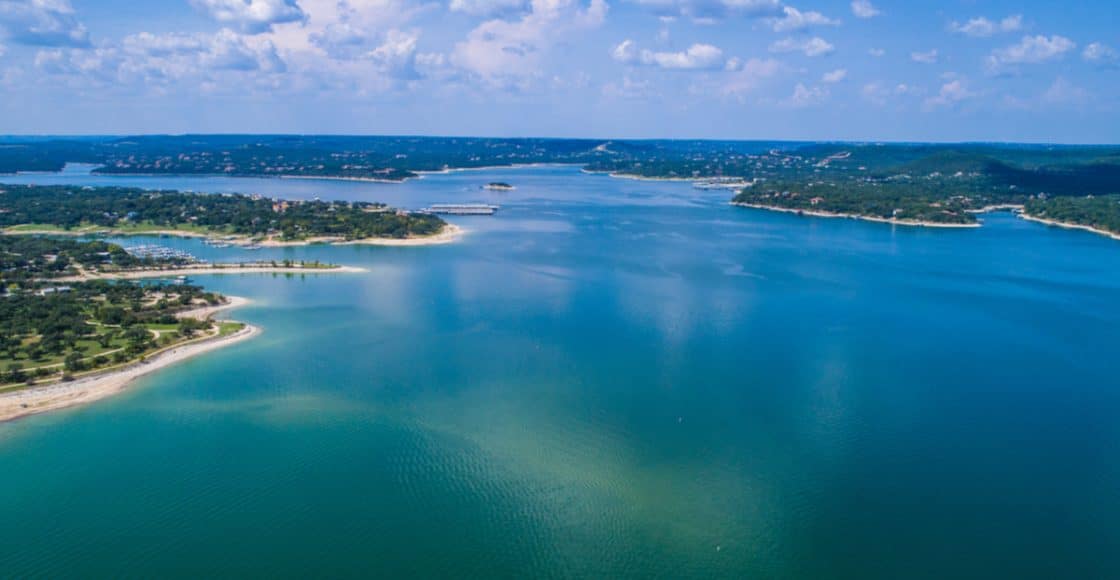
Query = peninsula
x=233 y=218
x=74 y=327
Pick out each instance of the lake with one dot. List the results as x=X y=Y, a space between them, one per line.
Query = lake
x=609 y=378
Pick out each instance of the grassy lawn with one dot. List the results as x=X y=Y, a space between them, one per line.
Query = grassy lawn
x=147 y=227
x=126 y=228
x=90 y=348
x=226 y=328
x=51 y=228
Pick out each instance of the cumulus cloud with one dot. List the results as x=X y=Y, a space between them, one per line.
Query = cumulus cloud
x=880 y=93
x=41 y=23
x=951 y=93
x=509 y=53
x=252 y=16
x=695 y=57
x=746 y=77
x=927 y=57
x=794 y=20
x=864 y=9
x=835 y=76
x=981 y=27
x=815 y=46
x=1030 y=50
x=1100 y=54
x=396 y=56
x=628 y=88
x=804 y=96
x=158 y=60
x=876 y=52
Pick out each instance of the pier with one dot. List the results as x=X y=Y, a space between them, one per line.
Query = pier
x=461 y=209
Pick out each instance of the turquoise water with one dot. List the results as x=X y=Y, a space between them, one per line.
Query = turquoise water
x=609 y=378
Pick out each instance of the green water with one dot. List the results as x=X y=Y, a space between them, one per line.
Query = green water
x=609 y=378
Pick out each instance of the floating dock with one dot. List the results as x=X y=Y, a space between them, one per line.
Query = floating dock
x=461 y=208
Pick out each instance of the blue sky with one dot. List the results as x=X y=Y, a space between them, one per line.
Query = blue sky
x=733 y=69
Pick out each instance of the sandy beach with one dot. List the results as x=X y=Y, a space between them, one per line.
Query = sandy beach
x=1070 y=226
x=59 y=395
x=828 y=214
x=207 y=270
x=635 y=177
x=345 y=178
x=448 y=234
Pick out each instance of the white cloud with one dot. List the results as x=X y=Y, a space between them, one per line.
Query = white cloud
x=509 y=53
x=794 y=20
x=876 y=52
x=252 y=16
x=834 y=76
x=160 y=60
x=806 y=96
x=951 y=93
x=815 y=46
x=696 y=57
x=880 y=93
x=397 y=55
x=928 y=57
x=747 y=76
x=625 y=52
x=1030 y=50
x=628 y=88
x=1100 y=54
x=1062 y=92
x=980 y=27
x=41 y=23
x=864 y=9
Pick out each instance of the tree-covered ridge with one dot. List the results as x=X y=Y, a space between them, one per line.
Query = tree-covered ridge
x=937 y=200
x=1056 y=170
x=1101 y=212
x=50 y=331
x=382 y=158
x=116 y=207
x=929 y=183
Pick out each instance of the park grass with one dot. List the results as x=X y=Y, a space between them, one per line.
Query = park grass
x=90 y=347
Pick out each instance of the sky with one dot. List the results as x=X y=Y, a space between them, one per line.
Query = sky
x=868 y=70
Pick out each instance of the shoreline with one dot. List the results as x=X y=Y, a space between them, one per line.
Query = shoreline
x=209 y=269
x=635 y=177
x=418 y=174
x=347 y=178
x=57 y=395
x=1069 y=226
x=829 y=214
x=449 y=170
x=449 y=233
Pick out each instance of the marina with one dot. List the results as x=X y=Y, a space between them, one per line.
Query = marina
x=157 y=252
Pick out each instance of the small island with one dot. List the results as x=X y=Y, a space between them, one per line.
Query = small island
x=231 y=218
x=498 y=186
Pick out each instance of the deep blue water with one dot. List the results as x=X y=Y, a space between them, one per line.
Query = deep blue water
x=609 y=378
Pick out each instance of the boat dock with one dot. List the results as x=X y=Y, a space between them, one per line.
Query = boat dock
x=154 y=252
x=461 y=209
